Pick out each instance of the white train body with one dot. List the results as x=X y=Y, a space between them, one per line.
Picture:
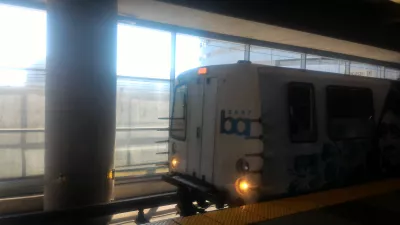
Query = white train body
x=247 y=122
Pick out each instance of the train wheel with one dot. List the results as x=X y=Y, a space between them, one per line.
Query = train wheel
x=219 y=206
x=236 y=203
x=201 y=202
x=185 y=205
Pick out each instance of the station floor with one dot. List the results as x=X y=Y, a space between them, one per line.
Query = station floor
x=372 y=203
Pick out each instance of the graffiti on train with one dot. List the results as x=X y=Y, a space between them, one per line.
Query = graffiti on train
x=240 y=125
x=350 y=161
x=339 y=163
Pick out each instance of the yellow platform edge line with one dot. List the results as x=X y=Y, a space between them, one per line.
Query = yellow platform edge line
x=264 y=211
x=234 y=216
x=198 y=219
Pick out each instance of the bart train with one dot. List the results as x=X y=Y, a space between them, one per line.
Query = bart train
x=241 y=133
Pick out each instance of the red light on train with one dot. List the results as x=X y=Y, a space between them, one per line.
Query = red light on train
x=202 y=71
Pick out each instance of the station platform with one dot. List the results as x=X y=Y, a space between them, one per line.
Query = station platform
x=372 y=203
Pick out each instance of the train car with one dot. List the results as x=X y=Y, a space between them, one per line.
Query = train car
x=242 y=132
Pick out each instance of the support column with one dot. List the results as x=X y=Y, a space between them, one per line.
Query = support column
x=303 y=61
x=347 y=67
x=80 y=102
x=247 y=52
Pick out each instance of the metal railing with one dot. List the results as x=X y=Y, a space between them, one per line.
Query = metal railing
x=128 y=167
x=80 y=214
x=21 y=130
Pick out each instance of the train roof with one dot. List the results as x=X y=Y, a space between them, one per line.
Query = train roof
x=208 y=70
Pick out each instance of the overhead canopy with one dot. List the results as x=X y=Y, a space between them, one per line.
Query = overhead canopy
x=192 y=18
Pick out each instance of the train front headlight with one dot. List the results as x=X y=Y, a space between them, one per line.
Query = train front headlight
x=174 y=162
x=243 y=186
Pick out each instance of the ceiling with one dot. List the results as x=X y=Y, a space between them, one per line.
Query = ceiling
x=371 y=22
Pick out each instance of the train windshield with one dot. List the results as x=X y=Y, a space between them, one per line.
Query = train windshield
x=178 y=119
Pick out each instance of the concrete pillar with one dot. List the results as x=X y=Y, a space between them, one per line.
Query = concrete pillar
x=80 y=102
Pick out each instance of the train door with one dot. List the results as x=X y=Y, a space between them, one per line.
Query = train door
x=178 y=129
x=208 y=128
x=195 y=109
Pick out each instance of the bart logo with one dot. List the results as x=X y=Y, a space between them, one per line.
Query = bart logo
x=236 y=126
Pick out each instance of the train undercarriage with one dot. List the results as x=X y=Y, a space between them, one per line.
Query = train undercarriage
x=194 y=195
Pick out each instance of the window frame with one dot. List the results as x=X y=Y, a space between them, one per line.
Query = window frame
x=330 y=117
x=233 y=48
x=339 y=63
x=313 y=117
x=184 y=111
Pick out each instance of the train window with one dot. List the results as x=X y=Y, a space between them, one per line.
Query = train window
x=350 y=112
x=178 y=119
x=302 y=119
